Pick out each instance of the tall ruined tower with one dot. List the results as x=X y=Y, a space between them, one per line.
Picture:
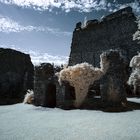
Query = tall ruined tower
x=114 y=31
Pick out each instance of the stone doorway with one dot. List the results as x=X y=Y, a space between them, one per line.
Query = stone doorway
x=50 y=95
x=70 y=92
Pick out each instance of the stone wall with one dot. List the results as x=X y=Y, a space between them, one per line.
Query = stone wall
x=16 y=75
x=44 y=86
x=114 y=31
x=65 y=95
x=48 y=92
x=112 y=85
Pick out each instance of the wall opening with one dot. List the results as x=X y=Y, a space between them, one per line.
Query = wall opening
x=69 y=92
x=50 y=96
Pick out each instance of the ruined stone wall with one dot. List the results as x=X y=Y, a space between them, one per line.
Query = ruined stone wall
x=16 y=75
x=44 y=87
x=47 y=90
x=114 y=31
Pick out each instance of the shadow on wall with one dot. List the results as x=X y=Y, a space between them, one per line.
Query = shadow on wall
x=50 y=95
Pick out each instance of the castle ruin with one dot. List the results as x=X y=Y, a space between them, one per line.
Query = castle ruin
x=114 y=31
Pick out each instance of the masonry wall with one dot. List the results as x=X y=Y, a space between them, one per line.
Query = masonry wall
x=112 y=32
x=16 y=76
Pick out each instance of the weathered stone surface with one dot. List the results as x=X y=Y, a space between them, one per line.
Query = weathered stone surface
x=91 y=23
x=65 y=96
x=47 y=90
x=44 y=86
x=112 y=85
x=16 y=75
x=115 y=31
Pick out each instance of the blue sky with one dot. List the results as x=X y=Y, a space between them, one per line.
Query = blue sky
x=43 y=28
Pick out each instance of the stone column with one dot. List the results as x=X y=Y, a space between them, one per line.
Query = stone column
x=112 y=85
x=44 y=86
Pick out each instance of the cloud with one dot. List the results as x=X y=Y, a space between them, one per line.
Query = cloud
x=39 y=57
x=68 y=5
x=136 y=6
x=8 y=25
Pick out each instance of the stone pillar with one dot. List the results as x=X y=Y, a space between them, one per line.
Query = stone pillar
x=112 y=85
x=44 y=86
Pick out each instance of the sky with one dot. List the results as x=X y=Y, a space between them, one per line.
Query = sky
x=44 y=28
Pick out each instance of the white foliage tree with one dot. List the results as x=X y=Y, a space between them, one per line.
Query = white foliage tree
x=29 y=97
x=134 y=78
x=136 y=35
x=81 y=76
x=85 y=22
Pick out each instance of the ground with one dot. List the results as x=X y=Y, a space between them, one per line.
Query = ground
x=27 y=122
